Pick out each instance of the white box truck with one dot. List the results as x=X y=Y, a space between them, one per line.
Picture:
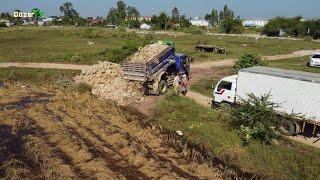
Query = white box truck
x=296 y=92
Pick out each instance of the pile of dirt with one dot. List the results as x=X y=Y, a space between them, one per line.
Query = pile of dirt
x=107 y=82
x=148 y=52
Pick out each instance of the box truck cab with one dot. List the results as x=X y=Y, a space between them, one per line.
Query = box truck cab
x=225 y=91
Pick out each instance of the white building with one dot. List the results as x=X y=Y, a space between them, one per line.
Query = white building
x=145 y=26
x=254 y=23
x=199 y=22
x=5 y=21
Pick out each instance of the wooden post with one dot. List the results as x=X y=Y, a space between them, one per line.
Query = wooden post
x=314 y=129
x=303 y=126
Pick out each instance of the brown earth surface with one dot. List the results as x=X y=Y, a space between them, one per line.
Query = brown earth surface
x=58 y=135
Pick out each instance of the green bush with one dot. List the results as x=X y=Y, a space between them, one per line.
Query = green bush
x=3 y=24
x=192 y=30
x=248 y=60
x=82 y=88
x=256 y=118
x=118 y=55
x=63 y=84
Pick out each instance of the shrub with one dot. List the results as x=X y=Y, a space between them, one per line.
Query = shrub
x=255 y=118
x=248 y=60
x=117 y=55
x=82 y=88
x=3 y=24
x=63 y=84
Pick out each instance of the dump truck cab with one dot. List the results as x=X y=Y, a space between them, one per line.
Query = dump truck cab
x=182 y=64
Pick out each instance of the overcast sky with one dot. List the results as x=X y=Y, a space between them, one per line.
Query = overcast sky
x=248 y=9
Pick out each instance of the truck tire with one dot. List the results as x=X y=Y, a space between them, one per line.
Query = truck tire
x=163 y=87
x=286 y=127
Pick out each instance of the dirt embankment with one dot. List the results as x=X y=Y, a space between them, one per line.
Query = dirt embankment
x=73 y=136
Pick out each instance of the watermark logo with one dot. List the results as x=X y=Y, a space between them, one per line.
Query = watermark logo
x=35 y=13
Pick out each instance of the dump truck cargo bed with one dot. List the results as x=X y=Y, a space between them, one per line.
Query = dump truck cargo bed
x=144 y=69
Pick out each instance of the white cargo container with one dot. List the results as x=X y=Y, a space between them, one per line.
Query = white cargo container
x=296 y=92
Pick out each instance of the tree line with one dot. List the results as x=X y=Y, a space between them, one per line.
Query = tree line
x=225 y=20
x=295 y=26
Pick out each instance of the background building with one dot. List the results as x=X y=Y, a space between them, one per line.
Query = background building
x=196 y=21
x=254 y=23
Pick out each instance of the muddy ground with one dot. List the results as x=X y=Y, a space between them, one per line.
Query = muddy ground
x=66 y=135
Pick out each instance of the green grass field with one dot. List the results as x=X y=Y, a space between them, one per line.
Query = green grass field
x=70 y=45
x=287 y=160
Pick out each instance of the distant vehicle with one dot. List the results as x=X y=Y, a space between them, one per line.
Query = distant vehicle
x=294 y=91
x=157 y=74
x=314 y=60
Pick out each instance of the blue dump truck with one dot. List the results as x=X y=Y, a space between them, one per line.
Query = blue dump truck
x=157 y=73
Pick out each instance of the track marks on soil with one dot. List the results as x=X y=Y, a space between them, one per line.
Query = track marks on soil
x=83 y=138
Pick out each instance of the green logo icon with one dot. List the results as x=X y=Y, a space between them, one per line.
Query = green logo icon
x=37 y=12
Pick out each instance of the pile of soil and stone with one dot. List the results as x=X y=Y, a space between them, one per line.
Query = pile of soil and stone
x=149 y=52
x=107 y=79
x=107 y=82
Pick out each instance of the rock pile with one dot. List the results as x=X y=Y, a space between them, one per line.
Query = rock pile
x=148 y=52
x=107 y=82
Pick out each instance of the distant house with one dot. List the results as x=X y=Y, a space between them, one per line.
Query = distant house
x=140 y=19
x=5 y=21
x=50 y=19
x=111 y=26
x=196 y=21
x=254 y=23
x=145 y=26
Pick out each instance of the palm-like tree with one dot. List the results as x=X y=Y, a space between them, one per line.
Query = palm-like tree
x=67 y=10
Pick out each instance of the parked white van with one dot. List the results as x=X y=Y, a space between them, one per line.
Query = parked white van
x=314 y=60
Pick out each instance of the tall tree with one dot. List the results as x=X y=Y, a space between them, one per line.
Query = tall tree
x=213 y=18
x=132 y=13
x=112 y=16
x=68 y=11
x=184 y=22
x=175 y=15
x=121 y=10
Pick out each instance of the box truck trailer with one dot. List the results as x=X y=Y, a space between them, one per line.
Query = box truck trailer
x=295 y=92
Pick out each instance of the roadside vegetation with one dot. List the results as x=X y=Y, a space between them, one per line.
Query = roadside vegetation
x=212 y=129
x=248 y=60
x=293 y=27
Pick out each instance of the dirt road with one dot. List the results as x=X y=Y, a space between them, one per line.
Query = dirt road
x=204 y=65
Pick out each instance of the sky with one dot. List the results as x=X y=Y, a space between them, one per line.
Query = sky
x=247 y=9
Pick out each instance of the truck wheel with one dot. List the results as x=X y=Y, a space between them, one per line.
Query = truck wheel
x=286 y=127
x=163 y=87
